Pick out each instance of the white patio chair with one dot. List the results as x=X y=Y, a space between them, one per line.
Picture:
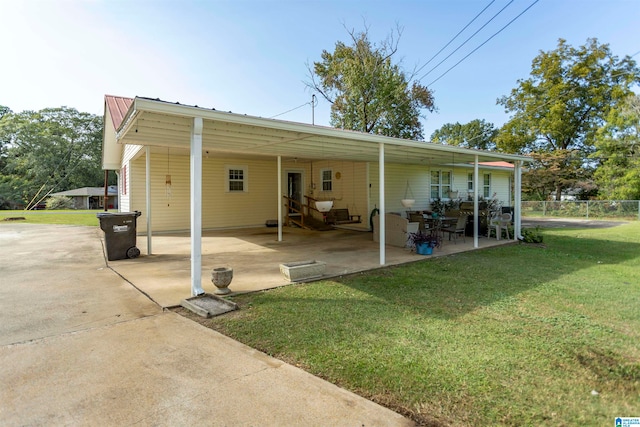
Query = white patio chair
x=498 y=223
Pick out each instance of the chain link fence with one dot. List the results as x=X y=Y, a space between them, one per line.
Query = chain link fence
x=588 y=209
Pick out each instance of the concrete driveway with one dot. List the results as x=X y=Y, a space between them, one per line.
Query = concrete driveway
x=79 y=345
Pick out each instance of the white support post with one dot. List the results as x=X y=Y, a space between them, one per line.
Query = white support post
x=279 y=198
x=517 y=209
x=196 y=207
x=148 y=195
x=382 y=224
x=476 y=218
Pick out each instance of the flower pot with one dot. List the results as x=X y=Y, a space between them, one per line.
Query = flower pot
x=407 y=203
x=424 y=249
x=221 y=278
x=324 y=206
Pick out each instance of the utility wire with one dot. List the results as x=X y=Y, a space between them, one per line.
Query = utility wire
x=288 y=111
x=454 y=37
x=485 y=42
x=465 y=42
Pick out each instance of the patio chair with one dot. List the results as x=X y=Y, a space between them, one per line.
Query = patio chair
x=417 y=217
x=458 y=228
x=498 y=223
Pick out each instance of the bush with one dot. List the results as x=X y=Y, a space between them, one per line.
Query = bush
x=59 y=202
x=532 y=235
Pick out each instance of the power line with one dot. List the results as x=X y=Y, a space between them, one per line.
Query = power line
x=465 y=42
x=288 y=111
x=454 y=37
x=483 y=43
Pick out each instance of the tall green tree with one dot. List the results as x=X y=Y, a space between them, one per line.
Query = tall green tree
x=54 y=149
x=478 y=134
x=618 y=151
x=367 y=91
x=565 y=101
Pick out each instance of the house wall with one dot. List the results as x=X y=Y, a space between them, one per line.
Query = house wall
x=401 y=181
x=223 y=209
x=419 y=180
x=349 y=186
x=127 y=171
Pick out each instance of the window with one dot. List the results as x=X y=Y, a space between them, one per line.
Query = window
x=325 y=178
x=237 y=179
x=470 y=182
x=123 y=177
x=440 y=184
x=486 y=185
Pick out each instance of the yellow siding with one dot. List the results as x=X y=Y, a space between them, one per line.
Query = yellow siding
x=419 y=178
x=223 y=209
x=396 y=178
x=124 y=189
x=349 y=181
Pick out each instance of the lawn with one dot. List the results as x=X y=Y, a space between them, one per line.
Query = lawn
x=67 y=217
x=540 y=335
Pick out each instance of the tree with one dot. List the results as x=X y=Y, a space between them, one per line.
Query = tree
x=618 y=151
x=564 y=102
x=369 y=93
x=54 y=149
x=477 y=134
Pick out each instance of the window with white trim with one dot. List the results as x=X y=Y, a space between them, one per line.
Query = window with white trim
x=470 y=182
x=326 y=179
x=236 y=179
x=440 y=184
x=123 y=177
x=486 y=185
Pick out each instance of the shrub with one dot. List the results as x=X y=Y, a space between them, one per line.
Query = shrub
x=59 y=202
x=531 y=235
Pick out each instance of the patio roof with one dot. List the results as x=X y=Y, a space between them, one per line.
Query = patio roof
x=152 y=122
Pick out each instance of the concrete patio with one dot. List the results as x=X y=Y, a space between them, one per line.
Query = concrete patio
x=255 y=256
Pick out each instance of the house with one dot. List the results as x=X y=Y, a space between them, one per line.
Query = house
x=187 y=167
x=91 y=197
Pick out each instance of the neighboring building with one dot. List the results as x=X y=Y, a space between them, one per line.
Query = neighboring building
x=91 y=197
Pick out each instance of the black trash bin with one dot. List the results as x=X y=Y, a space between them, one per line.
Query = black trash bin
x=119 y=234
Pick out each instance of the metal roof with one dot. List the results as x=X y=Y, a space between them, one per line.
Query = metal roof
x=118 y=107
x=159 y=123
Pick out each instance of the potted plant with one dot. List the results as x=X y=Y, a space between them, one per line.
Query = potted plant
x=424 y=243
x=437 y=207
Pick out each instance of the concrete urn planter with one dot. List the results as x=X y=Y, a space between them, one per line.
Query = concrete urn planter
x=221 y=278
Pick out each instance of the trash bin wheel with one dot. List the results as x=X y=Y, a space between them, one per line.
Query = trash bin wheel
x=133 y=252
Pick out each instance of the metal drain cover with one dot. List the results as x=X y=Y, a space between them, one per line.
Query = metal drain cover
x=208 y=305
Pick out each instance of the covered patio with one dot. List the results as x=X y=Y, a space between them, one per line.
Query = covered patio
x=146 y=126
x=255 y=256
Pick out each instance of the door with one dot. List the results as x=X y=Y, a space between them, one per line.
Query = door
x=294 y=190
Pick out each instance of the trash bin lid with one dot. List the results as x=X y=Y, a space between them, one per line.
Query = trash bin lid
x=124 y=214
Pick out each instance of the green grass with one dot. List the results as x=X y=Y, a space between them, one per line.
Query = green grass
x=67 y=217
x=514 y=335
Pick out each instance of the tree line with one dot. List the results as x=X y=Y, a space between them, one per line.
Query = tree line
x=576 y=115
x=47 y=151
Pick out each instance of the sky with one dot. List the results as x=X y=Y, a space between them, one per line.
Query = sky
x=251 y=56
